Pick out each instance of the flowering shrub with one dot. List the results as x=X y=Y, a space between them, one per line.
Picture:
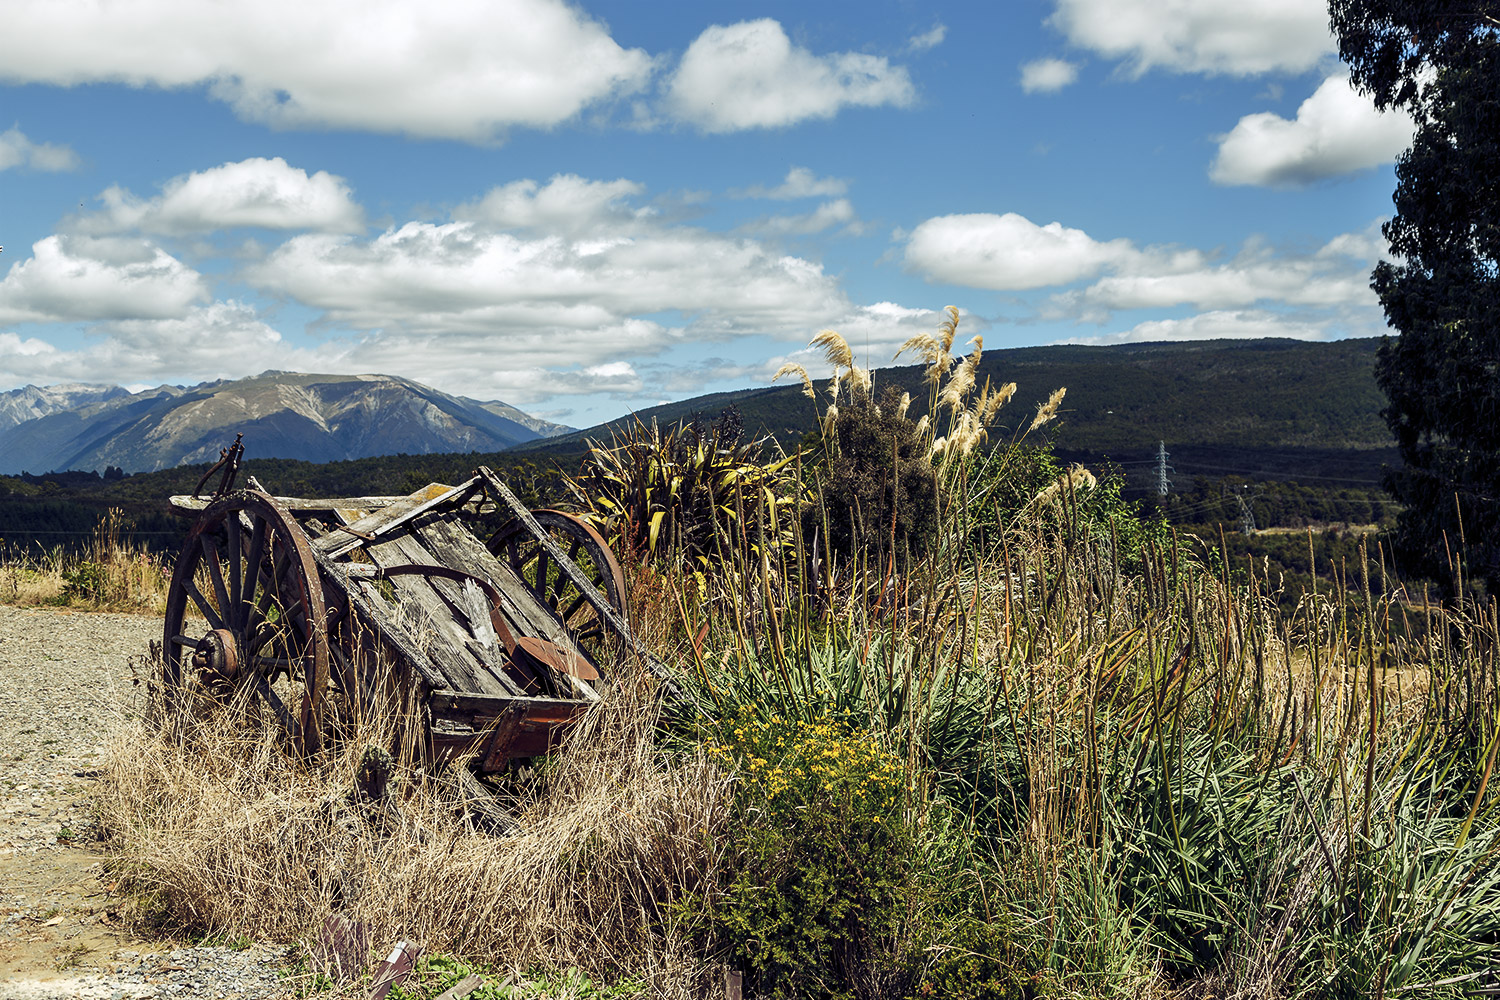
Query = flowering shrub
x=826 y=859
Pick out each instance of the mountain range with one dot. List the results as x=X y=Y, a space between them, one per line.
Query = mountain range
x=1263 y=409
x=317 y=418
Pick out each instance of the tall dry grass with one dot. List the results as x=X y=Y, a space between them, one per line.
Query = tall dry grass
x=110 y=573
x=220 y=832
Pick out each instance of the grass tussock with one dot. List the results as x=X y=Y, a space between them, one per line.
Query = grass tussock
x=222 y=833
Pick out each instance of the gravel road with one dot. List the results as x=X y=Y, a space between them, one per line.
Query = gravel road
x=67 y=680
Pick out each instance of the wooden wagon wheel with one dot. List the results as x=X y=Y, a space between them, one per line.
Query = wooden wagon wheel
x=552 y=587
x=248 y=570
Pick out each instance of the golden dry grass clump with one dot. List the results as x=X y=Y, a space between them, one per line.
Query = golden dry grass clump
x=111 y=573
x=222 y=832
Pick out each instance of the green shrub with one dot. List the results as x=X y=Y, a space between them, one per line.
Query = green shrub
x=826 y=863
x=688 y=494
x=981 y=960
x=1029 y=486
x=85 y=581
x=878 y=488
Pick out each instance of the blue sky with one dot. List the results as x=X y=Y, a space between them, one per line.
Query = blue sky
x=588 y=208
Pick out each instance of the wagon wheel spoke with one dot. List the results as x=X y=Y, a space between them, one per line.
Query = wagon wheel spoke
x=545 y=577
x=216 y=577
x=236 y=579
x=202 y=604
x=539 y=570
x=561 y=584
x=572 y=609
x=253 y=556
x=270 y=700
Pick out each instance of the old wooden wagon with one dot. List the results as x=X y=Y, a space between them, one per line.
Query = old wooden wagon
x=485 y=626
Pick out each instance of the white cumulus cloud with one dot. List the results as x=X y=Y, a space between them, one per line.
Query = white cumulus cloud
x=566 y=203
x=1240 y=324
x=1007 y=252
x=265 y=193
x=1201 y=36
x=1336 y=131
x=541 y=293
x=16 y=150
x=827 y=215
x=77 y=278
x=206 y=342
x=750 y=75
x=800 y=182
x=929 y=39
x=465 y=69
x=1047 y=76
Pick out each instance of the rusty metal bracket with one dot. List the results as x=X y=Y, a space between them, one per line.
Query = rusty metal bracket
x=229 y=461
x=527 y=653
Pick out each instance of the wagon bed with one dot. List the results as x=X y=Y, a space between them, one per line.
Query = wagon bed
x=484 y=627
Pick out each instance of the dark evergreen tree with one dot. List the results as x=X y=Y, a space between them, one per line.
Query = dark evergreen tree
x=1439 y=60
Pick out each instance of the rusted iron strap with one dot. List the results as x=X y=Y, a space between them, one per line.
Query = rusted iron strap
x=612 y=566
x=229 y=461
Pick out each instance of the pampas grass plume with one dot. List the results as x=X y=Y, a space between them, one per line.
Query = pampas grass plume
x=1048 y=410
x=991 y=402
x=835 y=349
x=800 y=372
x=948 y=329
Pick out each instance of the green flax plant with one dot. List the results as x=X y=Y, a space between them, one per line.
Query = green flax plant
x=686 y=494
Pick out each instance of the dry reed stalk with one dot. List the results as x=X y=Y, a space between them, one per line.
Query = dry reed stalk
x=33 y=580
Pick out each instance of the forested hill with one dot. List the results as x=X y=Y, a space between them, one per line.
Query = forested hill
x=1268 y=410
x=1264 y=408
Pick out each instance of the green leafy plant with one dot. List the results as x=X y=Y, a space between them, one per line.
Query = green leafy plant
x=984 y=960
x=824 y=859
x=877 y=492
x=688 y=494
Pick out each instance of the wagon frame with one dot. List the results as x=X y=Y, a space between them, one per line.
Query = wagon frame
x=487 y=627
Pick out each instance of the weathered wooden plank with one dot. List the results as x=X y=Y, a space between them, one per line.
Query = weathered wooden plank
x=525 y=615
x=449 y=646
x=473 y=981
x=462 y=706
x=393 y=516
x=490 y=664
x=521 y=608
x=428 y=615
x=183 y=504
x=506 y=500
x=371 y=607
x=472 y=627
x=491 y=817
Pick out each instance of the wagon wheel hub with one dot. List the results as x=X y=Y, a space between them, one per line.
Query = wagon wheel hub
x=217 y=655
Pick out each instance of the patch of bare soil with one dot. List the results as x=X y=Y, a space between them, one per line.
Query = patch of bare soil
x=68 y=679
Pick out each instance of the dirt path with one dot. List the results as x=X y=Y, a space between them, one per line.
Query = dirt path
x=67 y=680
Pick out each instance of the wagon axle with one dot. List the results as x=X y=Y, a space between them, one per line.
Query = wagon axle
x=217 y=656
